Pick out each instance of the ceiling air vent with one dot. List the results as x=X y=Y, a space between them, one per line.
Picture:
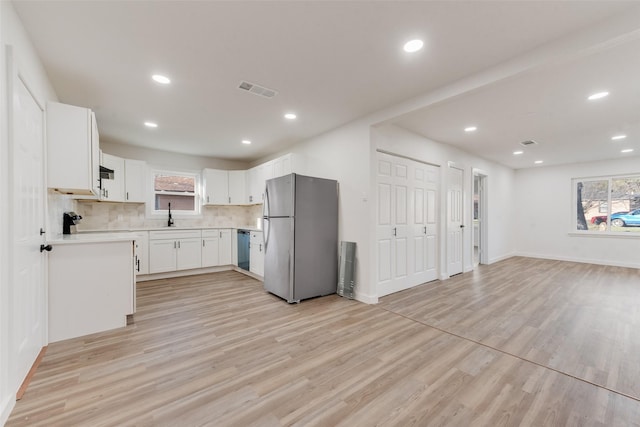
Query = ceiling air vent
x=257 y=90
x=528 y=143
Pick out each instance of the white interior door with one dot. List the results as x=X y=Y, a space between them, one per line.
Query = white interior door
x=27 y=287
x=406 y=231
x=425 y=233
x=455 y=226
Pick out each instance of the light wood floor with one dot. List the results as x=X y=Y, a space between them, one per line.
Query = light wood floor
x=522 y=342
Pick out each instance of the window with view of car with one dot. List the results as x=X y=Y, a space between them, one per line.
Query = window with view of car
x=177 y=189
x=607 y=204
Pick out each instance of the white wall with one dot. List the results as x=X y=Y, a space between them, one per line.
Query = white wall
x=500 y=188
x=545 y=212
x=343 y=155
x=12 y=34
x=168 y=159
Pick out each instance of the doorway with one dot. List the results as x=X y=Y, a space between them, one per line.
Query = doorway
x=455 y=218
x=479 y=235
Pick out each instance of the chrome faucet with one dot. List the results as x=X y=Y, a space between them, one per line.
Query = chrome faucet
x=170 y=221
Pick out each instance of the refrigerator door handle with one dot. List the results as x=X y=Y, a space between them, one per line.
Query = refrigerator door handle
x=265 y=232
x=265 y=205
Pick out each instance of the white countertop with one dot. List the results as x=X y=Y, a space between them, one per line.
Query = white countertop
x=63 y=239
x=133 y=230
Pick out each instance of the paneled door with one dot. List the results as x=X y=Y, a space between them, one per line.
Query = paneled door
x=455 y=226
x=27 y=287
x=406 y=234
x=425 y=230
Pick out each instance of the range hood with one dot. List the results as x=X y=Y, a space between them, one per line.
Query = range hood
x=106 y=173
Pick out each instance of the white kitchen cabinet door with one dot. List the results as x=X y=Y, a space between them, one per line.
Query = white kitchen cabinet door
x=73 y=152
x=253 y=186
x=237 y=187
x=113 y=189
x=282 y=165
x=134 y=180
x=210 y=248
x=162 y=255
x=256 y=253
x=225 y=255
x=142 y=253
x=189 y=254
x=216 y=187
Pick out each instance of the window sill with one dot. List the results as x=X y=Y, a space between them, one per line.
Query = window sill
x=609 y=234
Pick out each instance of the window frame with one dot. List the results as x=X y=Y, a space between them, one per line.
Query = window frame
x=630 y=233
x=154 y=213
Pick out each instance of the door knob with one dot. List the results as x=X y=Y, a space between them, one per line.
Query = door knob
x=461 y=226
x=45 y=248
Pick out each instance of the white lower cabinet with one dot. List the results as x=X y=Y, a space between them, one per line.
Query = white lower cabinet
x=141 y=259
x=174 y=250
x=91 y=288
x=256 y=253
x=216 y=247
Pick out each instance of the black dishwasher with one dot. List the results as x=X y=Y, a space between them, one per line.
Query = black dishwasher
x=243 y=249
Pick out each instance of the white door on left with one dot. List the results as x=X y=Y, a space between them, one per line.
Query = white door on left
x=27 y=287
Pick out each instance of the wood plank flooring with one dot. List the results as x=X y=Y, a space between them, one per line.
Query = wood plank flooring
x=521 y=342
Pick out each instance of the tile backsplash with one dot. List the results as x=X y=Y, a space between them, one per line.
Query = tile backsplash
x=128 y=216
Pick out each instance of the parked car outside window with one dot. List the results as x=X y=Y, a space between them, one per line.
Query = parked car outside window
x=626 y=219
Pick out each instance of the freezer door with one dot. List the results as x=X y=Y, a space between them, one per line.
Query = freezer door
x=278 y=264
x=279 y=197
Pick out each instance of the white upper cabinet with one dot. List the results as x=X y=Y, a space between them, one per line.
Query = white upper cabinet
x=257 y=176
x=134 y=180
x=73 y=151
x=237 y=187
x=216 y=187
x=113 y=189
x=223 y=187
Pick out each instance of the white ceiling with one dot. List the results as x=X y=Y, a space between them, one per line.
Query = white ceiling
x=333 y=62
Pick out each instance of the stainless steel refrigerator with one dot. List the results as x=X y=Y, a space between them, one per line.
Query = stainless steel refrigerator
x=300 y=237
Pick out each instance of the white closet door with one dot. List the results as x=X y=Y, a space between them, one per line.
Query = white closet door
x=406 y=233
x=425 y=189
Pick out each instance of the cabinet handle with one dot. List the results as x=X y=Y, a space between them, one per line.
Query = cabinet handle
x=221 y=234
x=229 y=199
x=425 y=230
x=203 y=243
x=138 y=262
x=127 y=195
x=207 y=199
x=394 y=231
x=178 y=244
x=260 y=250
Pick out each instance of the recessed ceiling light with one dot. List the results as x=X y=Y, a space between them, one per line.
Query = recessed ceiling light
x=627 y=150
x=598 y=95
x=290 y=116
x=413 y=45
x=161 y=79
x=151 y=124
x=516 y=153
x=618 y=137
x=246 y=141
x=537 y=162
x=470 y=129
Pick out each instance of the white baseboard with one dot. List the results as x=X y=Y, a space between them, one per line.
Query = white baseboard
x=580 y=260
x=367 y=299
x=181 y=273
x=502 y=258
x=6 y=406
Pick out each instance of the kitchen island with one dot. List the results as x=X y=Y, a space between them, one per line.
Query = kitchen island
x=91 y=283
